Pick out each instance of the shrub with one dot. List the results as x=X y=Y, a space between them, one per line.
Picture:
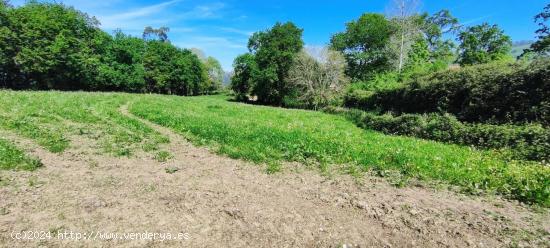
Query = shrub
x=316 y=82
x=493 y=93
x=526 y=142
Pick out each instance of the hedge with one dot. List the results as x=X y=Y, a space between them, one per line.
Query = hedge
x=493 y=93
x=524 y=142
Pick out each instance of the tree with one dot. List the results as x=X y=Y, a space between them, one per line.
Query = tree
x=6 y=51
x=542 y=45
x=121 y=65
x=161 y=34
x=434 y=27
x=482 y=44
x=242 y=81
x=215 y=73
x=50 y=46
x=365 y=45
x=274 y=51
x=317 y=82
x=170 y=70
x=404 y=15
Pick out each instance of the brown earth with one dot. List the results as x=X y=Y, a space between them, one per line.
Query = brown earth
x=221 y=202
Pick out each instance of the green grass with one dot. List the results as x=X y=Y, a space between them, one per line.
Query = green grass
x=263 y=135
x=272 y=135
x=12 y=158
x=54 y=119
x=163 y=156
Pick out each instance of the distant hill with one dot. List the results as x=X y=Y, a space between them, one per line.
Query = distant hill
x=519 y=46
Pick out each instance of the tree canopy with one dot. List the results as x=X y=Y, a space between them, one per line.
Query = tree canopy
x=274 y=51
x=365 y=45
x=51 y=46
x=482 y=44
x=542 y=45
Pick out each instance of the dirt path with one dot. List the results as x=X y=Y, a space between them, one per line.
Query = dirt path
x=215 y=201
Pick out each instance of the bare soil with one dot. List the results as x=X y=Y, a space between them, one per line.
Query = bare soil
x=222 y=202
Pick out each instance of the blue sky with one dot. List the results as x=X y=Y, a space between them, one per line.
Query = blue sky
x=221 y=27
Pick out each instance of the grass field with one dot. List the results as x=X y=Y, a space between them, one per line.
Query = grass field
x=12 y=158
x=262 y=135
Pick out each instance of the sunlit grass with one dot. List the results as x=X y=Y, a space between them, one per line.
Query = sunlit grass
x=262 y=135
x=272 y=135
x=12 y=158
x=53 y=119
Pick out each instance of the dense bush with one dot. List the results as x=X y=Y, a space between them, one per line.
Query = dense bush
x=47 y=46
x=316 y=82
x=494 y=93
x=527 y=142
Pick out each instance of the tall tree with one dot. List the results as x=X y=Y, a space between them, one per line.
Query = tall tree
x=542 y=45
x=121 y=64
x=6 y=50
x=365 y=45
x=404 y=14
x=482 y=44
x=215 y=73
x=242 y=81
x=171 y=70
x=434 y=28
x=274 y=51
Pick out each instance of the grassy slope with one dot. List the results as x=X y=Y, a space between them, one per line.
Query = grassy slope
x=263 y=135
x=52 y=118
x=12 y=158
x=271 y=135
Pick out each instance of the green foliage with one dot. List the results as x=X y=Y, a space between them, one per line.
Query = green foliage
x=274 y=51
x=170 y=70
x=434 y=27
x=120 y=67
x=365 y=45
x=482 y=44
x=12 y=158
x=419 y=55
x=272 y=135
x=51 y=46
x=242 y=81
x=525 y=142
x=215 y=74
x=496 y=93
x=95 y=118
x=163 y=156
x=542 y=46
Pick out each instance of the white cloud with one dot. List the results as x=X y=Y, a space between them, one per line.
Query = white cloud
x=205 y=42
x=127 y=19
x=150 y=15
x=478 y=19
x=237 y=31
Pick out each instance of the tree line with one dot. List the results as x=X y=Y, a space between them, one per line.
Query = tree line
x=401 y=44
x=47 y=46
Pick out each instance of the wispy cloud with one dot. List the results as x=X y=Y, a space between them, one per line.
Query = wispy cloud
x=236 y=31
x=125 y=18
x=171 y=11
x=206 y=11
x=205 y=42
x=475 y=20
